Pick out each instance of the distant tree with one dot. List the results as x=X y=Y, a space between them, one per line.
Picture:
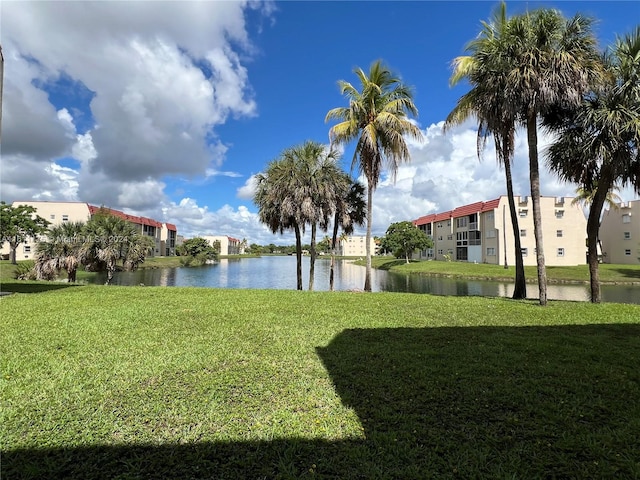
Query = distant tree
x=255 y=249
x=198 y=251
x=377 y=118
x=404 y=238
x=18 y=224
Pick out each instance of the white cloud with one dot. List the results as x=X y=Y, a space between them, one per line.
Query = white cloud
x=247 y=191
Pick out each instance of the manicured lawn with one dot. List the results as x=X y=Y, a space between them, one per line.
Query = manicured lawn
x=580 y=273
x=152 y=382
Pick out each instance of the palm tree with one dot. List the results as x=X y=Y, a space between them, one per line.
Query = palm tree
x=598 y=142
x=585 y=197
x=485 y=70
x=108 y=238
x=553 y=62
x=61 y=250
x=378 y=119
x=350 y=211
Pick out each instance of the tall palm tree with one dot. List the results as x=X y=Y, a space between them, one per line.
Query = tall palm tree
x=61 y=250
x=485 y=71
x=378 y=119
x=350 y=211
x=553 y=62
x=598 y=143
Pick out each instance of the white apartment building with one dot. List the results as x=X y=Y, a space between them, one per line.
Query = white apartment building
x=620 y=234
x=482 y=232
x=228 y=245
x=57 y=213
x=356 y=246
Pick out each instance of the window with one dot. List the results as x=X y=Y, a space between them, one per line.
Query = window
x=461 y=222
x=27 y=249
x=440 y=251
x=475 y=237
x=626 y=218
x=559 y=213
x=491 y=233
x=524 y=252
x=462 y=238
x=627 y=235
x=523 y=213
x=52 y=217
x=558 y=233
x=491 y=252
x=65 y=218
x=439 y=237
x=449 y=237
x=560 y=252
x=627 y=251
x=461 y=253
x=523 y=233
x=490 y=216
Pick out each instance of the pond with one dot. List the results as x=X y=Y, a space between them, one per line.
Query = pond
x=278 y=272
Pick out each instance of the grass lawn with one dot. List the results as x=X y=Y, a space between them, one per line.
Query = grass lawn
x=152 y=382
x=580 y=273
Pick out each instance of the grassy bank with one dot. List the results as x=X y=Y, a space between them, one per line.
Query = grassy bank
x=145 y=382
x=578 y=274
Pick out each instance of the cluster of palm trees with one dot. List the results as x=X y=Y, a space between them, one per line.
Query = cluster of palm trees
x=305 y=187
x=97 y=244
x=532 y=70
x=541 y=68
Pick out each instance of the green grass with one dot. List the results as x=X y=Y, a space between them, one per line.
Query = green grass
x=579 y=274
x=152 y=382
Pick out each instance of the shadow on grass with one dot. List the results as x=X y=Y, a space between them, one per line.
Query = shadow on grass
x=547 y=402
x=22 y=287
x=629 y=272
x=391 y=263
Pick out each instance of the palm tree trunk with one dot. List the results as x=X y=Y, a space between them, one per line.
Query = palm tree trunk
x=367 y=278
x=298 y=258
x=534 y=179
x=334 y=239
x=593 y=231
x=312 y=260
x=520 y=289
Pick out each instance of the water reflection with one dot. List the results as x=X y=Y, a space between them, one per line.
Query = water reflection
x=279 y=273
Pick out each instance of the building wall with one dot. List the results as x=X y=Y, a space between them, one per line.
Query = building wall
x=55 y=213
x=228 y=245
x=620 y=234
x=485 y=232
x=59 y=212
x=355 y=246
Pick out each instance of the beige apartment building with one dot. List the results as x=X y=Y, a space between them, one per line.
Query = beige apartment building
x=620 y=234
x=228 y=245
x=56 y=213
x=356 y=246
x=482 y=232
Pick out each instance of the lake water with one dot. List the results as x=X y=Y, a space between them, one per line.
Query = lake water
x=279 y=272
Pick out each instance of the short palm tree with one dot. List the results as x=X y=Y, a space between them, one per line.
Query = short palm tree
x=106 y=240
x=485 y=71
x=60 y=251
x=378 y=119
x=598 y=143
x=553 y=62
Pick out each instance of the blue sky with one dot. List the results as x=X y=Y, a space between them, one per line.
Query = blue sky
x=167 y=109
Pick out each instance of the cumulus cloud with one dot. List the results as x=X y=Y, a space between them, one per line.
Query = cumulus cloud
x=163 y=75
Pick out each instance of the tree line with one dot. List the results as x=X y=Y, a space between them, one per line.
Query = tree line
x=536 y=70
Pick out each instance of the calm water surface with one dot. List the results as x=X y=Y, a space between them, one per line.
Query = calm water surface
x=280 y=273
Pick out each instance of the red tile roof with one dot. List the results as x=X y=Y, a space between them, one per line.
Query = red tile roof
x=171 y=226
x=125 y=216
x=458 y=212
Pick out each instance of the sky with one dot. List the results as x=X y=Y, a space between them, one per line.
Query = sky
x=169 y=109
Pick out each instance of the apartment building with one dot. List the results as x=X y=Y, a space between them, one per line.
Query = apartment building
x=482 y=232
x=356 y=246
x=228 y=245
x=57 y=213
x=620 y=234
